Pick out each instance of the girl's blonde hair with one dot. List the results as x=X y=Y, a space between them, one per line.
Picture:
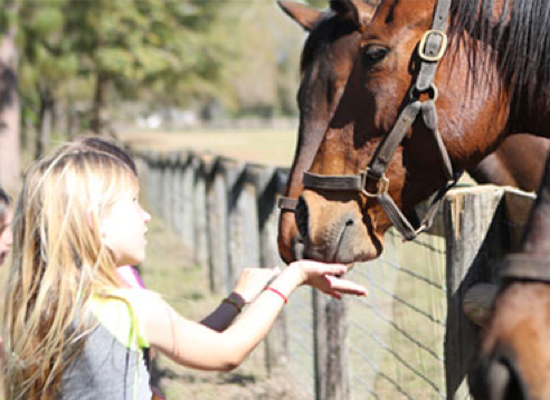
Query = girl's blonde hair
x=59 y=262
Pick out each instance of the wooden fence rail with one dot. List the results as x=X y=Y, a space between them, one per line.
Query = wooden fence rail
x=225 y=212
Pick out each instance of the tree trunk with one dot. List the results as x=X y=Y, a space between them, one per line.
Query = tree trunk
x=98 y=123
x=71 y=119
x=9 y=109
x=44 y=122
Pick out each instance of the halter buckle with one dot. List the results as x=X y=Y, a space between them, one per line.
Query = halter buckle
x=382 y=184
x=442 y=47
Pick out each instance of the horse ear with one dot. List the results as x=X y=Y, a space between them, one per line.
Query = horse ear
x=305 y=16
x=359 y=12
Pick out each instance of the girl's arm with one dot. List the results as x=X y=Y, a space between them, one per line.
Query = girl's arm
x=197 y=346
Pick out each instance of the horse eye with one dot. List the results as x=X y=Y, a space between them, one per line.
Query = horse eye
x=374 y=54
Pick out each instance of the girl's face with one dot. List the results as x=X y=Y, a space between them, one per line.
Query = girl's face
x=6 y=236
x=123 y=227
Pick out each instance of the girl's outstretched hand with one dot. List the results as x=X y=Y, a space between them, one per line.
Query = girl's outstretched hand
x=252 y=281
x=326 y=277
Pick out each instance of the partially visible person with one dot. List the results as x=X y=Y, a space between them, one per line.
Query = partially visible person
x=6 y=240
x=6 y=235
x=73 y=332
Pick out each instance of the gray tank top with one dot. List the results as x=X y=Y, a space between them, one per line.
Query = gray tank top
x=108 y=367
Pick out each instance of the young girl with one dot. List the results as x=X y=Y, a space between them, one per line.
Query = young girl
x=71 y=331
x=6 y=236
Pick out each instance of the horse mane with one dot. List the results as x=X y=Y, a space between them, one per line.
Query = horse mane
x=517 y=38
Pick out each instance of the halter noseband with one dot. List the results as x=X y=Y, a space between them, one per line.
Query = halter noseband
x=431 y=49
x=525 y=267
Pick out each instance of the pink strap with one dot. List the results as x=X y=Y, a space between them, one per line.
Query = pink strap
x=271 y=289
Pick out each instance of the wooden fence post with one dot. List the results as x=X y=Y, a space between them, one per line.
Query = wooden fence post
x=475 y=238
x=144 y=169
x=332 y=381
x=186 y=197
x=141 y=159
x=166 y=170
x=200 y=211
x=177 y=162
x=154 y=183
x=218 y=228
x=243 y=239
x=174 y=211
x=269 y=182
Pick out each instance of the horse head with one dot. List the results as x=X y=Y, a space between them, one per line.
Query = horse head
x=327 y=59
x=450 y=104
x=514 y=359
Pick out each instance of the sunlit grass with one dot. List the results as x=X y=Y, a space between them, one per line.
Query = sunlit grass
x=263 y=146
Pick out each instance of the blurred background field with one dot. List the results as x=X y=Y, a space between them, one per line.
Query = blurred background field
x=269 y=146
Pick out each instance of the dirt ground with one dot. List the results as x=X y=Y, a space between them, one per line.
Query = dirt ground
x=167 y=270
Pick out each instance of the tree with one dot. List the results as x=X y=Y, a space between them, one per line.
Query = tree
x=130 y=45
x=9 y=99
x=47 y=63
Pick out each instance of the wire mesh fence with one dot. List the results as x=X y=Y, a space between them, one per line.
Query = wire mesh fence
x=396 y=333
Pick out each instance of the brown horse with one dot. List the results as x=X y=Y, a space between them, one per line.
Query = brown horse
x=514 y=360
x=327 y=59
x=493 y=81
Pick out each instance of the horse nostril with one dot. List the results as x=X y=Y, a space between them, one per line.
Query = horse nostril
x=302 y=217
x=349 y=222
x=497 y=380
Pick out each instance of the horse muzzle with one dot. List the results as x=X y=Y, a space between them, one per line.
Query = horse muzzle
x=334 y=231
x=497 y=379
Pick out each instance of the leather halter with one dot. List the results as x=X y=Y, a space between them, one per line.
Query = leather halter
x=525 y=267
x=430 y=50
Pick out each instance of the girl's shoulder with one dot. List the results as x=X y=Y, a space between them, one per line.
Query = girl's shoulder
x=135 y=297
x=124 y=313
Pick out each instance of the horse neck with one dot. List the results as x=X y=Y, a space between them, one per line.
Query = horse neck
x=536 y=239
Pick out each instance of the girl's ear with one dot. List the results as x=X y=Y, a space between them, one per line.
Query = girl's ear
x=92 y=222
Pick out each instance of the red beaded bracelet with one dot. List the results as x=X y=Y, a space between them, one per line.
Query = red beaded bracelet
x=271 y=289
x=233 y=302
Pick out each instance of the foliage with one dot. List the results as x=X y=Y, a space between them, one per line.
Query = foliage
x=320 y=4
x=46 y=59
x=164 y=52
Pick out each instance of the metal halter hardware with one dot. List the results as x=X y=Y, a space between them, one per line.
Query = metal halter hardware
x=442 y=47
x=287 y=203
x=431 y=49
x=382 y=184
